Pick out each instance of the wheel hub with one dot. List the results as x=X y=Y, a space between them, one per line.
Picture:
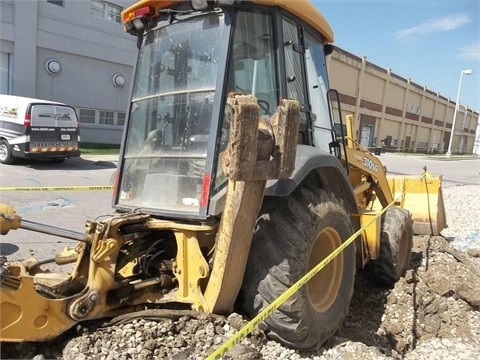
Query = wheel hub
x=324 y=286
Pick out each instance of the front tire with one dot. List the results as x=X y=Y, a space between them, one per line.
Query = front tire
x=292 y=236
x=6 y=156
x=396 y=241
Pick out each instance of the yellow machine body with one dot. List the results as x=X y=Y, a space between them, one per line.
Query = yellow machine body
x=148 y=256
x=102 y=284
x=424 y=199
x=374 y=189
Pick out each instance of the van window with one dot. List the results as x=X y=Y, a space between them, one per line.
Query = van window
x=53 y=115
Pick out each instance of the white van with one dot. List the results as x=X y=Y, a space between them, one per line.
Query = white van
x=37 y=129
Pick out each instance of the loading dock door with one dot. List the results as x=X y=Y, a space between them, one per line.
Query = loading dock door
x=366 y=136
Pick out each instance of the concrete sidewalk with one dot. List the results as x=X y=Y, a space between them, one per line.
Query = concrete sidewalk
x=113 y=158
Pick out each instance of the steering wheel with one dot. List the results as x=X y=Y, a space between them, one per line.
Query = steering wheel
x=264 y=105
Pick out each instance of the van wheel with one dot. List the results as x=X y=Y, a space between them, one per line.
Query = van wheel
x=291 y=237
x=6 y=156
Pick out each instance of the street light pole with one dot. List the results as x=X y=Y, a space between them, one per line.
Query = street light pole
x=449 y=151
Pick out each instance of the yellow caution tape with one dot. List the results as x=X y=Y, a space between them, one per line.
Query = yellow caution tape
x=250 y=326
x=56 y=188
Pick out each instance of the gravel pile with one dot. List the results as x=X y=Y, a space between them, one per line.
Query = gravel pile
x=462 y=206
x=433 y=312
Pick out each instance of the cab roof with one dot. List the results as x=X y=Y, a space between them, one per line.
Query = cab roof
x=301 y=8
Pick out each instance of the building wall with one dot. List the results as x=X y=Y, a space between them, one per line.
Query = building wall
x=396 y=112
x=90 y=51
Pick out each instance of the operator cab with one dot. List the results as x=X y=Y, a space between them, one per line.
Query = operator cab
x=178 y=123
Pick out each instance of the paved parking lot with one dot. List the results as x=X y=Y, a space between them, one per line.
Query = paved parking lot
x=457 y=170
x=62 y=209
x=70 y=209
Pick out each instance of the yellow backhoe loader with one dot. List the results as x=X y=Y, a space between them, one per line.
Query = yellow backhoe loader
x=232 y=185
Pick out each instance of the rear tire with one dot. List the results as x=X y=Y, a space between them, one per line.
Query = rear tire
x=292 y=236
x=396 y=243
x=6 y=156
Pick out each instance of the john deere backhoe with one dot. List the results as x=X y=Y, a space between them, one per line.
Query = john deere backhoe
x=232 y=184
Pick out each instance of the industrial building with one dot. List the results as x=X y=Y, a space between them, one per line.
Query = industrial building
x=395 y=112
x=76 y=52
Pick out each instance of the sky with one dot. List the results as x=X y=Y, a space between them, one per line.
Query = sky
x=428 y=41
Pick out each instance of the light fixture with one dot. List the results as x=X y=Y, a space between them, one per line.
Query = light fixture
x=118 y=80
x=53 y=67
x=139 y=24
x=452 y=133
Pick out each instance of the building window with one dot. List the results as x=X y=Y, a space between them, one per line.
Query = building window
x=105 y=10
x=102 y=117
x=56 y=2
x=105 y=117
x=120 y=118
x=4 y=73
x=87 y=116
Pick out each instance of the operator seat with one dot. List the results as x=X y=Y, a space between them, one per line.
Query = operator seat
x=153 y=142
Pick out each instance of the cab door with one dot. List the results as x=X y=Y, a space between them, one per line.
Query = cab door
x=307 y=82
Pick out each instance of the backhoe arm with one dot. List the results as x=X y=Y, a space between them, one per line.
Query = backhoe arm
x=366 y=172
x=369 y=179
x=9 y=220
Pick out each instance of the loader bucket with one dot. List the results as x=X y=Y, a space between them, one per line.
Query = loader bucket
x=424 y=199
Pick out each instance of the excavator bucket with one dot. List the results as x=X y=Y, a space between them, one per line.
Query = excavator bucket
x=423 y=198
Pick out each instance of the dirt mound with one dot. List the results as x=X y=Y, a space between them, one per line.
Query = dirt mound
x=437 y=298
x=432 y=312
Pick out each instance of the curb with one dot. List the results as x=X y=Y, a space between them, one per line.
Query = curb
x=99 y=158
